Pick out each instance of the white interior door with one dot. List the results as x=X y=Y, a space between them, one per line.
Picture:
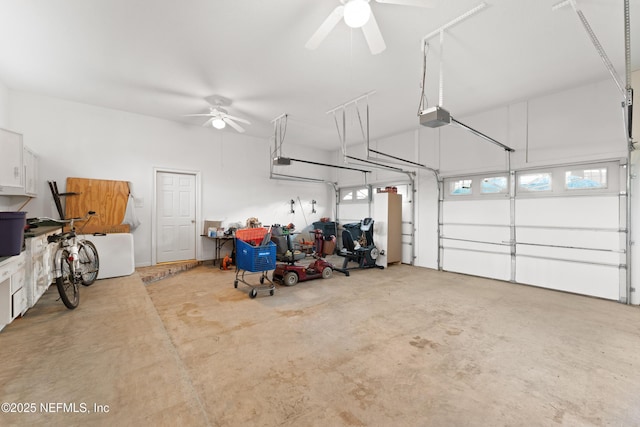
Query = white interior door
x=176 y=216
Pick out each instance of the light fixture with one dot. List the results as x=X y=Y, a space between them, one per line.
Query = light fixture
x=357 y=13
x=218 y=123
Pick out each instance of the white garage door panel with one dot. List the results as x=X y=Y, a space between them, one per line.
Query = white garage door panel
x=576 y=238
x=493 y=234
x=476 y=211
x=484 y=264
x=353 y=212
x=598 y=257
x=573 y=277
x=594 y=211
x=569 y=240
x=475 y=246
x=482 y=226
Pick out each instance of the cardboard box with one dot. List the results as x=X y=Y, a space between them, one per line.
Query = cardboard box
x=328 y=247
x=210 y=224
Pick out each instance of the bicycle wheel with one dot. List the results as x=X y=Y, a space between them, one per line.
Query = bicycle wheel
x=67 y=286
x=89 y=262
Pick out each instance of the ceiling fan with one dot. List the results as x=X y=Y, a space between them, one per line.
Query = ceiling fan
x=219 y=118
x=358 y=14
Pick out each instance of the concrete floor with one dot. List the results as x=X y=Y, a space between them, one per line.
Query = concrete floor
x=401 y=347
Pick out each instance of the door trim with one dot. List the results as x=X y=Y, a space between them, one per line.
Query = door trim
x=154 y=214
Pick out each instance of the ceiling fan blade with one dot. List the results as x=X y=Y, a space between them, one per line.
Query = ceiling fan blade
x=373 y=36
x=417 y=3
x=238 y=119
x=208 y=122
x=233 y=124
x=325 y=28
x=196 y=115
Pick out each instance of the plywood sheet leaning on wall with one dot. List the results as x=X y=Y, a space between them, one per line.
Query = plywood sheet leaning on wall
x=107 y=198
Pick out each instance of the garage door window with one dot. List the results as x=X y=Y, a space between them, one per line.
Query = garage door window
x=535 y=182
x=494 y=185
x=585 y=179
x=354 y=195
x=460 y=187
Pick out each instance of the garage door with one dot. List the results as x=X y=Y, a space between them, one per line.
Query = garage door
x=475 y=228
x=561 y=228
x=355 y=205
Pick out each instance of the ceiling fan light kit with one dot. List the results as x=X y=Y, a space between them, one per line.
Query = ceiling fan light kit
x=218 y=123
x=218 y=117
x=357 y=13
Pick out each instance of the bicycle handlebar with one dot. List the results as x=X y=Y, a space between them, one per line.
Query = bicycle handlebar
x=68 y=220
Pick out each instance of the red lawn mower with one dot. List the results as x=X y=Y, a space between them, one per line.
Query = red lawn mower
x=288 y=272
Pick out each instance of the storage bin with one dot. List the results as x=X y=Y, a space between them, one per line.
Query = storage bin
x=12 y=232
x=328 y=228
x=255 y=258
x=251 y=235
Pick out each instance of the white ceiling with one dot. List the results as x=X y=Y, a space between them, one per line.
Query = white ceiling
x=162 y=57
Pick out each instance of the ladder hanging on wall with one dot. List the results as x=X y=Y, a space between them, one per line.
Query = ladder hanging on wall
x=53 y=186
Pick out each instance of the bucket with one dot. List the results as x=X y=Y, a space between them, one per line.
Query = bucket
x=12 y=232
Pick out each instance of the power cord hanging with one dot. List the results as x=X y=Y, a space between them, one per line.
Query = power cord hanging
x=424 y=102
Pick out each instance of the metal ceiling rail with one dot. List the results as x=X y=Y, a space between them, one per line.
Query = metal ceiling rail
x=594 y=40
x=453 y=22
x=329 y=165
x=393 y=168
x=371 y=150
x=440 y=32
x=351 y=101
x=482 y=135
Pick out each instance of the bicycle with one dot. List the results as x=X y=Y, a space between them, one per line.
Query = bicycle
x=76 y=261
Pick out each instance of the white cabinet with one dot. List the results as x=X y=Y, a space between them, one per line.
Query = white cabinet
x=18 y=166
x=387 y=233
x=13 y=302
x=40 y=255
x=30 y=171
x=26 y=277
x=11 y=163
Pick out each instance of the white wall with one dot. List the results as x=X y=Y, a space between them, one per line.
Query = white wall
x=4 y=105
x=5 y=202
x=78 y=140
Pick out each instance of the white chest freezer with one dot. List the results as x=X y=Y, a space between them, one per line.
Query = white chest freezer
x=115 y=252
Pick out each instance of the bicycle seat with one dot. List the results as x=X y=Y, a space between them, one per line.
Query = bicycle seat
x=55 y=238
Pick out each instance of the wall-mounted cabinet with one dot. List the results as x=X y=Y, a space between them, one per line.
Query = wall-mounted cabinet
x=11 y=167
x=18 y=166
x=30 y=170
